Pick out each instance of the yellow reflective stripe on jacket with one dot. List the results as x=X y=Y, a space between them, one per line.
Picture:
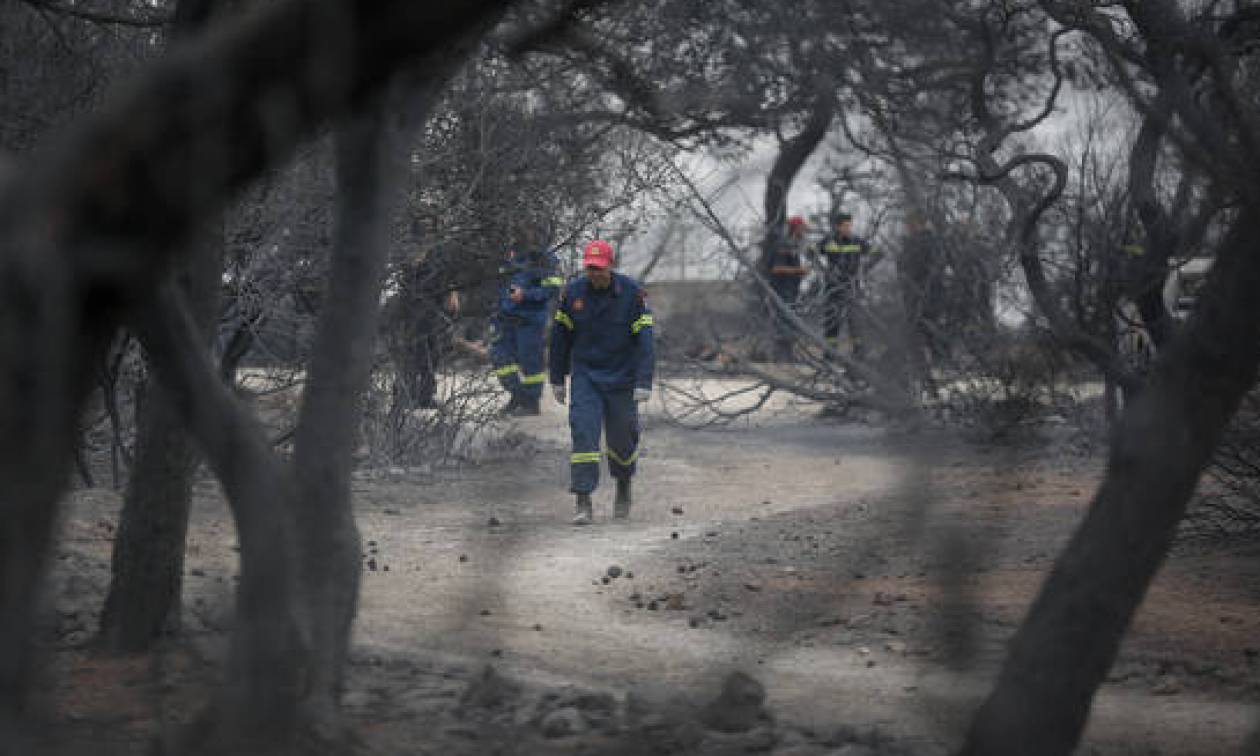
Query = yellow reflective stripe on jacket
x=563 y=319
x=644 y=321
x=582 y=458
x=623 y=462
x=553 y=281
x=832 y=248
x=536 y=378
x=1133 y=250
x=505 y=370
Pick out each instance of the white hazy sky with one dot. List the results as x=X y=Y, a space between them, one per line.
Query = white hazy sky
x=742 y=185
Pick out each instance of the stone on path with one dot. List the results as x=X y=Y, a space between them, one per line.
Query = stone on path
x=739 y=707
x=562 y=723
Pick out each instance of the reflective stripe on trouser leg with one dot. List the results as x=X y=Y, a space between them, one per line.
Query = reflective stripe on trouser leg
x=529 y=355
x=586 y=415
x=621 y=431
x=503 y=357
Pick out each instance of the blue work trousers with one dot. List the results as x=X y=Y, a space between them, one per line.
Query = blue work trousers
x=591 y=410
x=517 y=354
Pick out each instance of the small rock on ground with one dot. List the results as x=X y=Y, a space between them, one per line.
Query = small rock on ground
x=562 y=723
x=739 y=707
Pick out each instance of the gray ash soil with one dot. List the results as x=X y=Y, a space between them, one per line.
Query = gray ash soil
x=791 y=587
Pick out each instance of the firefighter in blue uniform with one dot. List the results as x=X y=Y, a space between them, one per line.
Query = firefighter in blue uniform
x=602 y=340
x=531 y=279
x=844 y=258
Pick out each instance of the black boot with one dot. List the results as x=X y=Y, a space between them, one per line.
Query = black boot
x=621 y=504
x=583 y=512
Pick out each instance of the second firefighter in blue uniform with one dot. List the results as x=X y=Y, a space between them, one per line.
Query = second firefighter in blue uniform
x=531 y=280
x=602 y=340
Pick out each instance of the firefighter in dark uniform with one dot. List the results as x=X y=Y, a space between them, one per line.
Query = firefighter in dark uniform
x=531 y=279
x=602 y=340
x=843 y=257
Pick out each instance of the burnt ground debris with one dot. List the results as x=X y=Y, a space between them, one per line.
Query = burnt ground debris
x=793 y=587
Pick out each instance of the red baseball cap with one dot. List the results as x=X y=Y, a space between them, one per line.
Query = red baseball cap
x=598 y=254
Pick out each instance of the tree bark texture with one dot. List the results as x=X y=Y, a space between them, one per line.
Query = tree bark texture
x=45 y=353
x=329 y=545
x=90 y=228
x=791 y=158
x=147 y=566
x=268 y=658
x=1072 y=633
x=146 y=580
x=146 y=586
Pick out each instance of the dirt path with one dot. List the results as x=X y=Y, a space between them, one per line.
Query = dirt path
x=866 y=578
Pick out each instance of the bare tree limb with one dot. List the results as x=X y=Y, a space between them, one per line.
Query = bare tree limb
x=887 y=397
x=135 y=20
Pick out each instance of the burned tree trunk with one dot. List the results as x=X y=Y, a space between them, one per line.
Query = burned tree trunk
x=329 y=546
x=1070 y=638
x=45 y=353
x=328 y=538
x=146 y=585
x=268 y=656
x=146 y=581
x=791 y=158
x=90 y=230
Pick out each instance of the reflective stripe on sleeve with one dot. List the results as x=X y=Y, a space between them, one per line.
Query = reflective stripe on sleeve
x=563 y=319
x=532 y=380
x=644 y=321
x=506 y=370
x=553 y=281
x=832 y=248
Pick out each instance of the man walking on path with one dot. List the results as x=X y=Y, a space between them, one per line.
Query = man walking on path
x=531 y=279
x=602 y=338
x=843 y=258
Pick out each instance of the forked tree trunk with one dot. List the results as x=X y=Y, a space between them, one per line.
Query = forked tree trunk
x=1062 y=652
x=147 y=567
x=96 y=221
x=267 y=664
x=787 y=164
x=146 y=586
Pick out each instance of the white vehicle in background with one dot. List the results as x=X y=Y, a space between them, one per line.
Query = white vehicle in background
x=1182 y=287
x=1181 y=292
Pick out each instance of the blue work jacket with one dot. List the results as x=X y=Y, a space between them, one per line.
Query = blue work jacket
x=538 y=277
x=606 y=335
x=843 y=258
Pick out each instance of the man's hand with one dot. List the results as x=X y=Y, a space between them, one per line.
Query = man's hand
x=641 y=395
x=558 y=391
x=516 y=295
